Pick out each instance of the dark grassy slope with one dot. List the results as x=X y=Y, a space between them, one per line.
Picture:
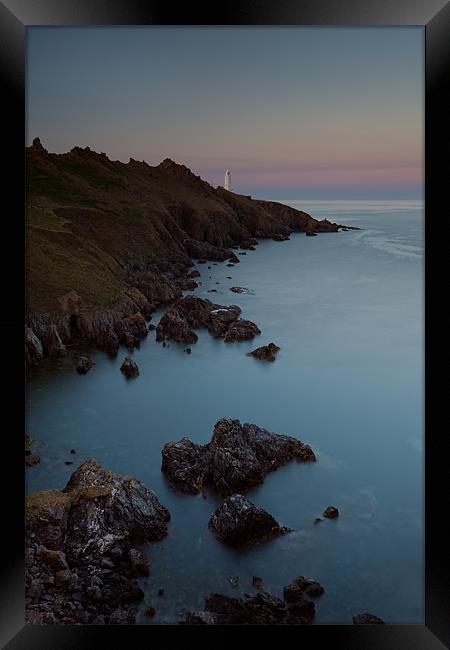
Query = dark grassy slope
x=107 y=239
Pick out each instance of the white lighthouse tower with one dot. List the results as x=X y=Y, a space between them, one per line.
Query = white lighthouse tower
x=227 y=183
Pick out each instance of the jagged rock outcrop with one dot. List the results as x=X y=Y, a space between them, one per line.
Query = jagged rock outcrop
x=261 y=608
x=157 y=288
x=241 y=330
x=81 y=564
x=129 y=368
x=265 y=352
x=237 y=522
x=206 y=251
x=237 y=458
x=191 y=312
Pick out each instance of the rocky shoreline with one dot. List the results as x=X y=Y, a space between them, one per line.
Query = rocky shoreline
x=81 y=562
x=140 y=259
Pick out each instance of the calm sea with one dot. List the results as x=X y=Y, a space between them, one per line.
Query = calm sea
x=347 y=311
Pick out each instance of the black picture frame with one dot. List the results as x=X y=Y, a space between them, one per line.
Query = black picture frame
x=15 y=17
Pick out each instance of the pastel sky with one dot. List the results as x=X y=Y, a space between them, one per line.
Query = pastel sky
x=293 y=112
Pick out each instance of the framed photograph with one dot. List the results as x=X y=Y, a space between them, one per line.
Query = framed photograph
x=223 y=221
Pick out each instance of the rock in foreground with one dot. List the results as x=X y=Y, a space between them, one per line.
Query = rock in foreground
x=81 y=566
x=237 y=458
x=239 y=522
x=265 y=352
x=302 y=587
x=260 y=609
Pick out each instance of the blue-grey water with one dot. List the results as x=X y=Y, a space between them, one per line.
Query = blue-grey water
x=347 y=311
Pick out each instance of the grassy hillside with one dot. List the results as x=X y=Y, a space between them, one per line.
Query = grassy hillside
x=93 y=222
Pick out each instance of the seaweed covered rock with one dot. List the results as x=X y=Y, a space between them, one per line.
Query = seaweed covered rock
x=80 y=547
x=238 y=522
x=265 y=352
x=237 y=458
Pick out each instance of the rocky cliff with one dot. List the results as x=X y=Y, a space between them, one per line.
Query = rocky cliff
x=108 y=242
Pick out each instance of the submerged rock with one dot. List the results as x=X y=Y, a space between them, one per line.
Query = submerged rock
x=80 y=546
x=239 y=290
x=280 y=237
x=367 y=619
x=239 y=522
x=237 y=458
x=84 y=364
x=331 y=512
x=265 y=352
x=129 y=368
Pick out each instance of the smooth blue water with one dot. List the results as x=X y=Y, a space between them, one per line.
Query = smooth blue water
x=347 y=311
